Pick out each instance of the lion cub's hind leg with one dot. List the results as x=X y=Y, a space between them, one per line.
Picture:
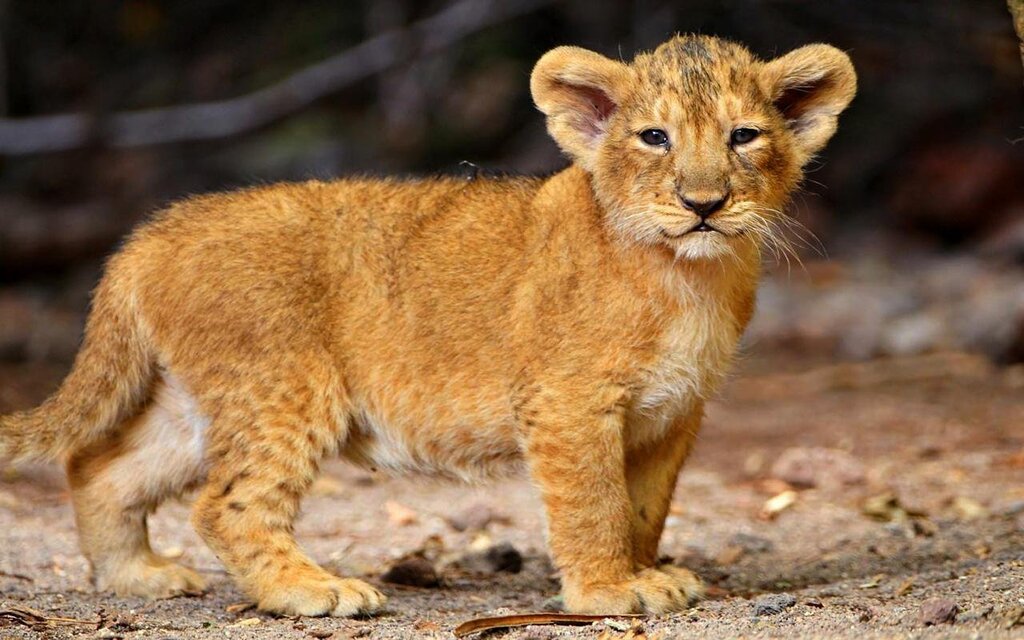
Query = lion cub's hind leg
x=115 y=483
x=265 y=452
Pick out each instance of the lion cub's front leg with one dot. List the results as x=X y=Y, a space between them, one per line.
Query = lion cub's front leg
x=577 y=457
x=651 y=474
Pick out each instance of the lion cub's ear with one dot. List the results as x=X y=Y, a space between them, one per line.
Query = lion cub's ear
x=578 y=90
x=811 y=86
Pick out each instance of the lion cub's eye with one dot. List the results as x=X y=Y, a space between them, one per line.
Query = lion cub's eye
x=654 y=137
x=743 y=135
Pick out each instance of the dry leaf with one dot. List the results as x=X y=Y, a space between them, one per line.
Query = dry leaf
x=239 y=607
x=8 y=500
x=247 y=622
x=327 y=486
x=426 y=625
x=730 y=555
x=37 y=621
x=968 y=509
x=1013 y=617
x=777 y=504
x=481 y=542
x=399 y=514
x=905 y=587
x=619 y=625
x=1015 y=460
x=522 y=620
x=873 y=582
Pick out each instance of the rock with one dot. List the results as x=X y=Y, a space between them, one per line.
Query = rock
x=497 y=558
x=918 y=333
x=1013 y=509
x=976 y=615
x=751 y=543
x=773 y=604
x=938 y=611
x=476 y=517
x=554 y=604
x=818 y=467
x=413 y=571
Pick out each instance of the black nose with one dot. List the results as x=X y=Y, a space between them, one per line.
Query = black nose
x=703 y=208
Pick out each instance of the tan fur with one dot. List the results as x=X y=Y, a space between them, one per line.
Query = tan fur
x=569 y=326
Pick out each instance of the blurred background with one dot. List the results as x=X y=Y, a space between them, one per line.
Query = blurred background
x=111 y=109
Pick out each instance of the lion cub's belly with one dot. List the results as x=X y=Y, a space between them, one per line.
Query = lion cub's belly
x=469 y=451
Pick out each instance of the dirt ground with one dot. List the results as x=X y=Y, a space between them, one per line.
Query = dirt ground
x=904 y=481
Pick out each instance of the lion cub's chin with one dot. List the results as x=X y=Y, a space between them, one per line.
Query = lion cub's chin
x=710 y=245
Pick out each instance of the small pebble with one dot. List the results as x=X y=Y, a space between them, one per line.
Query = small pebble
x=554 y=604
x=497 y=558
x=751 y=543
x=616 y=625
x=1013 y=509
x=938 y=611
x=773 y=604
x=806 y=467
x=476 y=517
x=414 y=572
x=976 y=614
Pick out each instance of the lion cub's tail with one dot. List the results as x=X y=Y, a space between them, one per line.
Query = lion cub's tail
x=111 y=376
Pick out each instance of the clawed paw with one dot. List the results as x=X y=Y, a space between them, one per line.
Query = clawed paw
x=659 y=590
x=150 y=576
x=324 y=595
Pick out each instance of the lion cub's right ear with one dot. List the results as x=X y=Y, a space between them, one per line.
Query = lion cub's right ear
x=578 y=90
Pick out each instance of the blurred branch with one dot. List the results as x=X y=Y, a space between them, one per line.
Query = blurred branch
x=219 y=119
x=1017 y=11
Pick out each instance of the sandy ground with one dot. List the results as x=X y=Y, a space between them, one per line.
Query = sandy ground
x=944 y=435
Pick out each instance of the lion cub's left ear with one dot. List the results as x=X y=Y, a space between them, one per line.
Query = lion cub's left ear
x=811 y=86
x=578 y=90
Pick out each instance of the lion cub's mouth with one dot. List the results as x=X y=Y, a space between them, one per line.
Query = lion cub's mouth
x=701 y=227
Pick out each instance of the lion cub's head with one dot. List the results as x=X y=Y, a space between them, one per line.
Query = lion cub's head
x=697 y=144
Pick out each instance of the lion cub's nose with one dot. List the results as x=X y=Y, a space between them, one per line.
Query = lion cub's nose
x=704 y=204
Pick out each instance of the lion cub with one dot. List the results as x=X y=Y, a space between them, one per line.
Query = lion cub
x=571 y=326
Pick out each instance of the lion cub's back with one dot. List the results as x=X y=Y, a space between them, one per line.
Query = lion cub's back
x=232 y=267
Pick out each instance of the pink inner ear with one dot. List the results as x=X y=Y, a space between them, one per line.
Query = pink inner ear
x=594 y=106
x=600 y=101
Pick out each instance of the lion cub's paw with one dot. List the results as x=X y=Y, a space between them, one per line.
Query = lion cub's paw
x=151 y=577
x=322 y=596
x=662 y=590
x=686 y=581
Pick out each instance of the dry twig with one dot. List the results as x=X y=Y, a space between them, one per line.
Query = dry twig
x=222 y=118
x=37 y=621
